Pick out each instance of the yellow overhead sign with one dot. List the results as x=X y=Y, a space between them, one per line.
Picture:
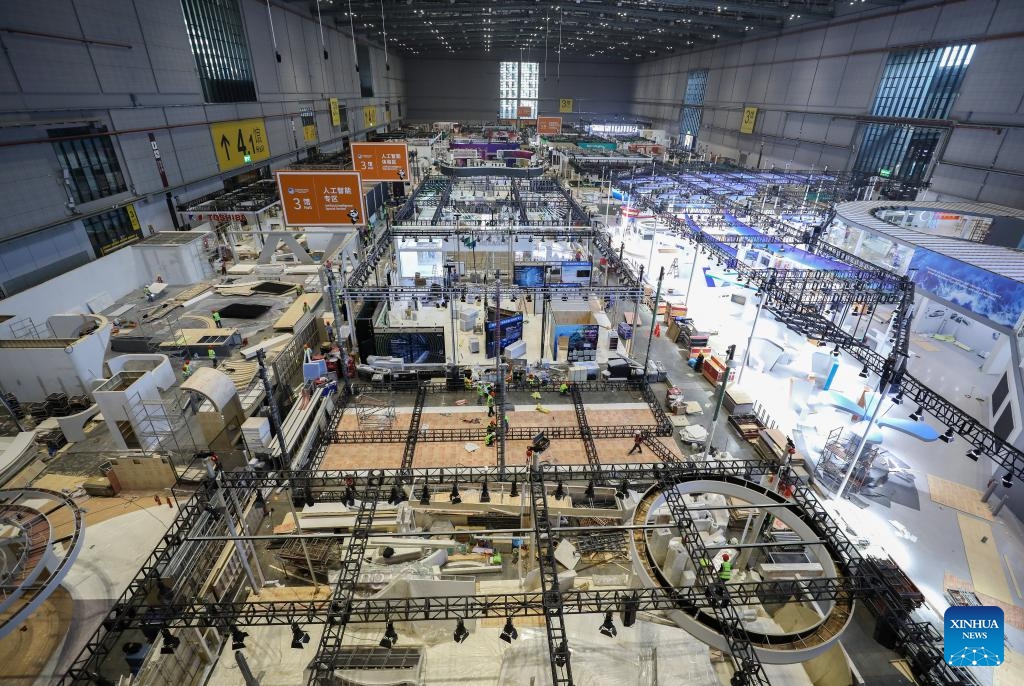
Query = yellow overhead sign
x=239 y=142
x=370 y=116
x=749 y=119
x=335 y=112
x=133 y=217
x=565 y=105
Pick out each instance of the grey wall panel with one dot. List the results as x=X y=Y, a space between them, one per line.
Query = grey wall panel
x=841 y=132
x=297 y=58
x=1008 y=16
x=914 y=27
x=839 y=39
x=828 y=80
x=801 y=81
x=759 y=77
x=860 y=80
x=994 y=83
x=194 y=152
x=973 y=146
x=810 y=44
x=968 y=19
x=872 y=33
x=163 y=28
x=778 y=84
x=261 y=49
x=765 y=50
x=138 y=163
x=785 y=49
x=30 y=188
x=46 y=65
x=1003 y=189
x=1011 y=152
x=741 y=84
x=957 y=181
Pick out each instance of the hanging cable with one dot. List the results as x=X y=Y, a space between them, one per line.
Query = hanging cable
x=384 y=28
x=273 y=38
x=320 y=21
x=352 y=31
x=547 y=31
x=558 y=72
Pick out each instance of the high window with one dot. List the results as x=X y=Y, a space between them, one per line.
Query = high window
x=693 y=99
x=111 y=230
x=518 y=86
x=916 y=84
x=365 y=71
x=91 y=169
x=217 y=36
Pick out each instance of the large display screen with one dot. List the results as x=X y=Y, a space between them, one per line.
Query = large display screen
x=576 y=272
x=995 y=297
x=529 y=275
x=583 y=341
x=414 y=347
x=511 y=331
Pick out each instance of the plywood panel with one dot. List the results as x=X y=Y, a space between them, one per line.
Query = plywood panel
x=983 y=558
x=958 y=496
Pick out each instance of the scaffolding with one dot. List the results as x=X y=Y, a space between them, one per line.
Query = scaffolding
x=373 y=413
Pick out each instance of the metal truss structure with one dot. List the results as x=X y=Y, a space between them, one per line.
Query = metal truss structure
x=151 y=601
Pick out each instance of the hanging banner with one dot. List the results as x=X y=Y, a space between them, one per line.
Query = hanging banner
x=321 y=198
x=381 y=161
x=550 y=126
x=335 y=112
x=239 y=142
x=749 y=119
x=370 y=116
x=997 y=298
x=565 y=105
x=133 y=217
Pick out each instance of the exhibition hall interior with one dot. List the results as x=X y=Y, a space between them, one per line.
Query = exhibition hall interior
x=565 y=342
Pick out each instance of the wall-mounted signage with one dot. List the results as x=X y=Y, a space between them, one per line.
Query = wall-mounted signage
x=335 y=112
x=370 y=117
x=239 y=142
x=749 y=119
x=565 y=105
x=549 y=126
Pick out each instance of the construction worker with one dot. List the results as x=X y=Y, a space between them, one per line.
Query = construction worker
x=216 y=319
x=490 y=404
x=637 y=440
x=149 y=293
x=211 y=354
x=725 y=571
x=489 y=436
x=564 y=388
x=186 y=369
x=481 y=393
x=529 y=456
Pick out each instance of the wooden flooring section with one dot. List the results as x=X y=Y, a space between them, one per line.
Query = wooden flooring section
x=1013 y=614
x=25 y=652
x=983 y=558
x=958 y=496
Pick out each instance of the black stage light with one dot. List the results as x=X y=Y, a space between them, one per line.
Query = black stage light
x=608 y=628
x=622 y=492
x=898 y=398
x=863 y=373
x=590 y=490
x=514 y=493
x=974 y=454
x=948 y=436
x=485 y=493
x=916 y=414
x=1007 y=480
x=393 y=496
x=629 y=610
x=299 y=637
x=559 y=491
x=461 y=633
x=390 y=636
x=455 y=496
x=509 y=633
x=425 y=495
x=170 y=642
x=835 y=351
x=238 y=638
x=340 y=613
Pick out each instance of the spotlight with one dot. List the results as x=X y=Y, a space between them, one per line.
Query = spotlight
x=916 y=414
x=622 y=492
x=514 y=493
x=485 y=493
x=299 y=637
x=1007 y=480
x=608 y=628
x=461 y=632
x=948 y=436
x=390 y=636
x=425 y=495
x=590 y=490
x=898 y=398
x=974 y=454
x=559 y=491
x=238 y=638
x=562 y=654
x=863 y=372
x=629 y=610
x=340 y=613
x=509 y=633
x=170 y=642
x=393 y=496
x=835 y=351
x=455 y=496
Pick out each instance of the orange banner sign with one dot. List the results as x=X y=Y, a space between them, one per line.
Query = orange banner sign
x=321 y=198
x=524 y=112
x=381 y=161
x=549 y=126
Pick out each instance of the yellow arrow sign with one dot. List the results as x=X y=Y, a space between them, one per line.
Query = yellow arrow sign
x=239 y=142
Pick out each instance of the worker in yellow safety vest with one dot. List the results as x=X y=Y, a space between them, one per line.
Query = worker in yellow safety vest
x=212 y=355
x=725 y=571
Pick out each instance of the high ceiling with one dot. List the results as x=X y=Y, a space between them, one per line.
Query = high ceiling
x=629 y=30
